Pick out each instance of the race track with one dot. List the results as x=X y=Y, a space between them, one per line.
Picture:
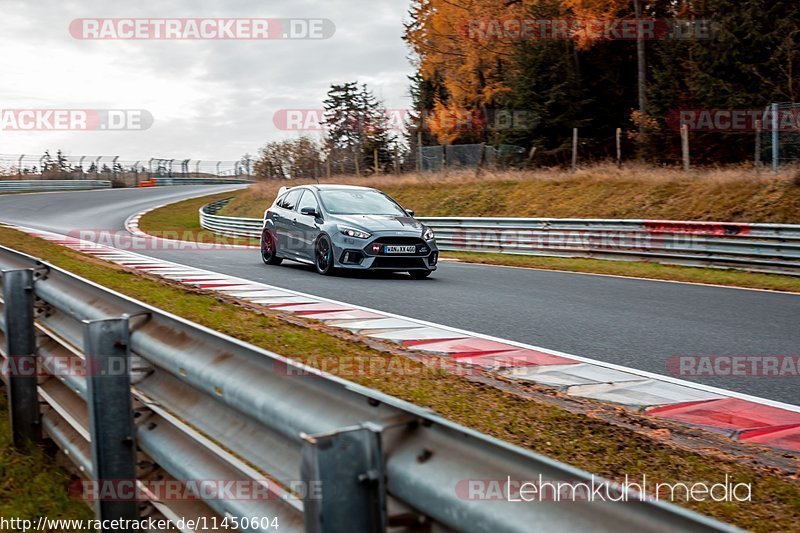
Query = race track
x=629 y=322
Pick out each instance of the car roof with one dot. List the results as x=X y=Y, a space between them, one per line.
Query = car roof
x=325 y=187
x=333 y=186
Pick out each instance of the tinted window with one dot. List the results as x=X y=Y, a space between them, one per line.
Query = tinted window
x=290 y=200
x=279 y=201
x=356 y=202
x=308 y=200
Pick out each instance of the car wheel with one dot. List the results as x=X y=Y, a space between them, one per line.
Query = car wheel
x=269 y=249
x=323 y=256
x=420 y=274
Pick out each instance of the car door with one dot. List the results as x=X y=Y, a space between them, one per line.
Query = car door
x=306 y=229
x=285 y=214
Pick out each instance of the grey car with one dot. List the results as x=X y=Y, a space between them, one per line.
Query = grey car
x=346 y=227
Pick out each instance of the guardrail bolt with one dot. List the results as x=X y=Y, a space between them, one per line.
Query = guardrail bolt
x=424 y=456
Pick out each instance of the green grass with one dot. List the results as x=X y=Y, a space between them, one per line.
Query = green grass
x=181 y=221
x=585 y=441
x=731 y=278
x=31 y=483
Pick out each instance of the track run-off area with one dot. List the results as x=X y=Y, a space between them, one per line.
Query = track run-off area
x=629 y=322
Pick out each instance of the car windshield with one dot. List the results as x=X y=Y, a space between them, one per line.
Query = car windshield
x=358 y=202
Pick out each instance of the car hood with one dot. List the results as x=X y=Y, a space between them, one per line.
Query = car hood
x=373 y=223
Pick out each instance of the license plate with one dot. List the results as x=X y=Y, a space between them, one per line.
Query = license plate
x=399 y=249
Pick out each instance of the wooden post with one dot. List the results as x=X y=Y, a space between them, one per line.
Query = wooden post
x=328 y=167
x=481 y=159
x=375 y=160
x=759 y=127
x=356 y=157
x=685 y=147
x=396 y=161
x=419 y=150
x=574 y=149
x=619 y=147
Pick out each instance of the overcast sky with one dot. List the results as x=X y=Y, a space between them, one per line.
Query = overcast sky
x=209 y=99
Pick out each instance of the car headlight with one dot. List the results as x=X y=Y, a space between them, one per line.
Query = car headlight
x=352 y=232
x=427 y=234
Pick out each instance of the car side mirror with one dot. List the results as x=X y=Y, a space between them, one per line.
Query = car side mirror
x=310 y=211
x=410 y=212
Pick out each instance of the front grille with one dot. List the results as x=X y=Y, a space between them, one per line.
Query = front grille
x=422 y=247
x=400 y=240
x=399 y=263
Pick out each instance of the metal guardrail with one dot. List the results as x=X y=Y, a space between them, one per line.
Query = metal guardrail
x=773 y=248
x=161 y=182
x=191 y=404
x=228 y=226
x=52 y=185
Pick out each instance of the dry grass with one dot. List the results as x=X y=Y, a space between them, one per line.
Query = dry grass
x=731 y=194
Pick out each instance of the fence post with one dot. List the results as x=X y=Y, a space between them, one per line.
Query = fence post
x=757 y=158
x=776 y=151
x=481 y=159
x=19 y=164
x=685 y=147
x=344 y=479
x=23 y=398
x=110 y=412
x=574 y=149
x=619 y=147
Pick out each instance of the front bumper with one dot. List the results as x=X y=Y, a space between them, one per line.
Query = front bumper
x=371 y=254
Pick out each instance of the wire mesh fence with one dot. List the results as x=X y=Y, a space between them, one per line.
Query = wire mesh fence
x=121 y=173
x=779 y=142
x=438 y=158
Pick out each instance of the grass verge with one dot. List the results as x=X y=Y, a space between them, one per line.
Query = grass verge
x=712 y=276
x=730 y=195
x=181 y=221
x=574 y=438
x=31 y=483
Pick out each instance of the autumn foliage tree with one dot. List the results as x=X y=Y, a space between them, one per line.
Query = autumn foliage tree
x=469 y=57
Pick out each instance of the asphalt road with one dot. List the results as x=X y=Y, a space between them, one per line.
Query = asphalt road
x=630 y=322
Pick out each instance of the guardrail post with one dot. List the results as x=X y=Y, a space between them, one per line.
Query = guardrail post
x=110 y=413
x=23 y=397
x=345 y=483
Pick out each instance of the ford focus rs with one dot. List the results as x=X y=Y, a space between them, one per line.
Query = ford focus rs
x=346 y=227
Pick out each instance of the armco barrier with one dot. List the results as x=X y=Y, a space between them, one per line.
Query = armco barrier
x=773 y=248
x=52 y=185
x=170 y=182
x=193 y=405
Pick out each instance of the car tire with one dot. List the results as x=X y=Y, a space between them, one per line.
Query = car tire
x=420 y=274
x=269 y=249
x=323 y=256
